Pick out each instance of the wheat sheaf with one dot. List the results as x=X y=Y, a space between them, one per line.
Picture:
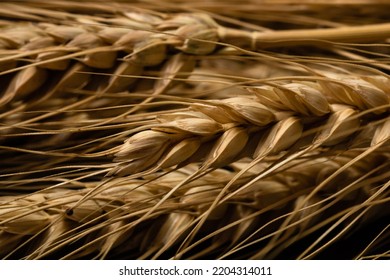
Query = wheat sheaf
x=210 y=130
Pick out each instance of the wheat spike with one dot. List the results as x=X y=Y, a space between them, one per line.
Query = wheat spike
x=108 y=215
x=230 y=122
x=177 y=130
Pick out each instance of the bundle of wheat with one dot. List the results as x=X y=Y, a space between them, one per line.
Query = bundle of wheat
x=212 y=130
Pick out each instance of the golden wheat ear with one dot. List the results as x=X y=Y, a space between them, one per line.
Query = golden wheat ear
x=279 y=114
x=150 y=131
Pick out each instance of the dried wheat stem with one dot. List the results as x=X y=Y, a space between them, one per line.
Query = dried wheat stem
x=267 y=39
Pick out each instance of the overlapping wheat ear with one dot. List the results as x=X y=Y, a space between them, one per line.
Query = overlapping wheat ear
x=270 y=210
x=214 y=127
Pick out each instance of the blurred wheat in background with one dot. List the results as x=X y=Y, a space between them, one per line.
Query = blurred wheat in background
x=195 y=129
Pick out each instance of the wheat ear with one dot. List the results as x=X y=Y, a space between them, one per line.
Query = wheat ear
x=279 y=114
